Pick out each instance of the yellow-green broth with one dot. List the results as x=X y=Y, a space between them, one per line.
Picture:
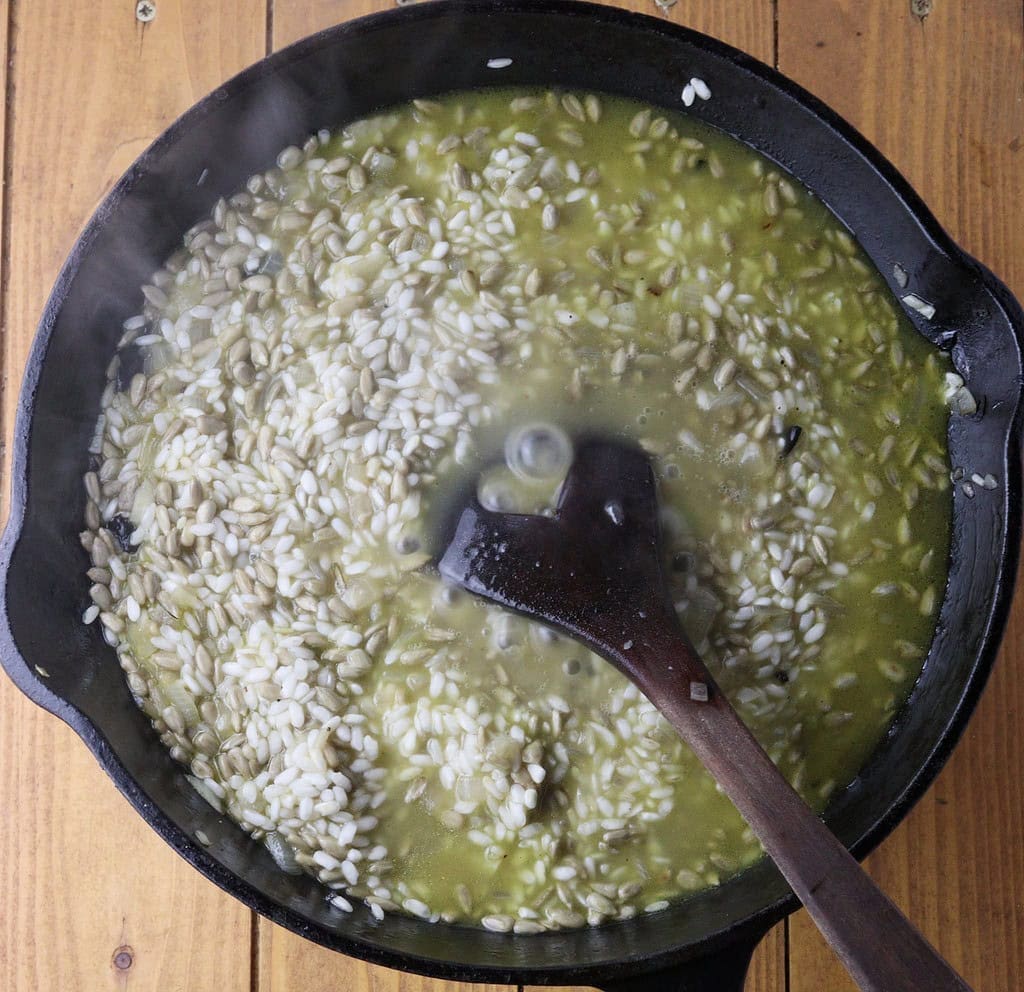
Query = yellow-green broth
x=680 y=292
x=878 y=387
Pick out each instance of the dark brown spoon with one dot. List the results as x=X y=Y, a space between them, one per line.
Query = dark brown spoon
x=593 y=571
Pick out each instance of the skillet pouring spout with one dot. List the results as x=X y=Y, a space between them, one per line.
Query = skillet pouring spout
x=593 y=571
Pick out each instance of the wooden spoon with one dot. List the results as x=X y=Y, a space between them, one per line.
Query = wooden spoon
x=593 y=570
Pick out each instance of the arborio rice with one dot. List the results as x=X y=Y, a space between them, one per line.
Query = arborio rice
x=364 y=319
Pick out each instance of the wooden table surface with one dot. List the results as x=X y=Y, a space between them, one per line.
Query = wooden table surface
x=91 y=898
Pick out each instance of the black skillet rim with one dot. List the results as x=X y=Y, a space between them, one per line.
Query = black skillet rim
x=571 y=973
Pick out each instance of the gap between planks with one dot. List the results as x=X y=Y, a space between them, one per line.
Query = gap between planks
x=80 y=73
x=254 y=917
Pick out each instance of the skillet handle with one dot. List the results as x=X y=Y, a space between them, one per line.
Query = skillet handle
x=724 y=970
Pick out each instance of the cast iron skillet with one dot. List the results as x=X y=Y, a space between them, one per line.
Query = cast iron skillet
x=349 y=71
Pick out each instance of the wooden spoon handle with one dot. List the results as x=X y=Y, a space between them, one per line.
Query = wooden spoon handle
x=878 y=945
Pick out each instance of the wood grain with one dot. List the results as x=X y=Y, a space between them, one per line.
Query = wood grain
x=942 y=97
x=93 y=899
x=82 y=875
x=286 y=961
x=294 y=19
x=748 y=26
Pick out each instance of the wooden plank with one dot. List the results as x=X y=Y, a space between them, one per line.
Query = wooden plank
x=768 y=966
x=286 y=962
x=284 y=959
x=92 y=898
x=749 y=27
x=941 y=97
x=746 y=25
x=294 y=19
